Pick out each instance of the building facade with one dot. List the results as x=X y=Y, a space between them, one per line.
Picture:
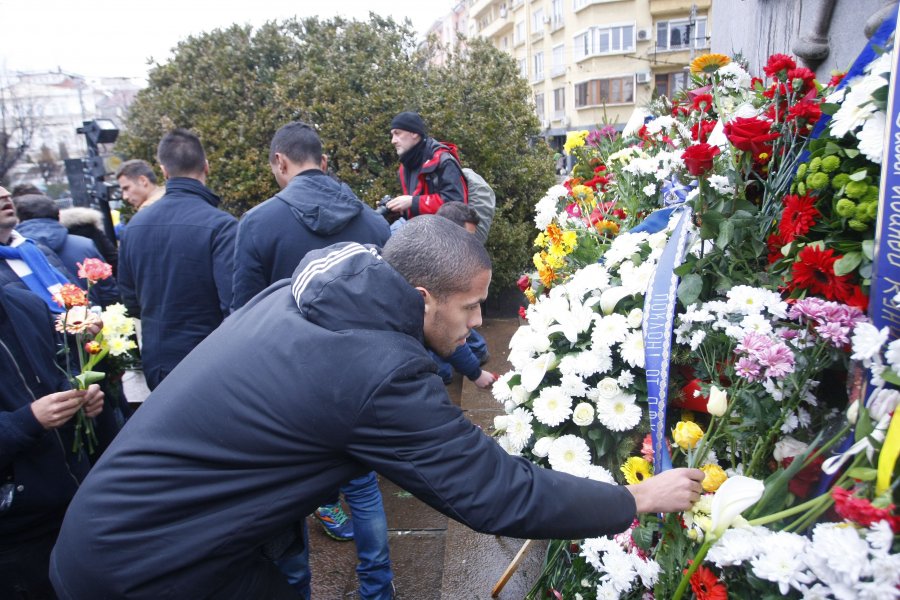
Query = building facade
x=591 y=62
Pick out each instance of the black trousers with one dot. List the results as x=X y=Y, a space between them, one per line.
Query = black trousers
x=24 y=569
x=261 y=581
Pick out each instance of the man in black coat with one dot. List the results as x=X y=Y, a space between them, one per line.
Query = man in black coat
x=175 y=260
x=311 y=211
x=318 y=380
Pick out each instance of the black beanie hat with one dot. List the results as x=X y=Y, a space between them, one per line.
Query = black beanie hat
x=409 y=121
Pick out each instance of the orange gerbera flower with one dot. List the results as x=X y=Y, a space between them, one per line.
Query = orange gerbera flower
x=708 y=63
x=707 y=586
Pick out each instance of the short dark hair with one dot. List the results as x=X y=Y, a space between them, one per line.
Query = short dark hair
x=25 y=188
x=298 y=141
x=181 y=153
x=35 y=206
x=458 y=212
x=132 y=169
x=436 y=254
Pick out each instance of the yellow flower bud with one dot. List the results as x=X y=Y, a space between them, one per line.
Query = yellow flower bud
x=687 y=434
x=715 y=476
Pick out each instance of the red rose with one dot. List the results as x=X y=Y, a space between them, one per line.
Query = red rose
x=524 y=282
x=753 y=135
x=779 y=64
x=699 y=158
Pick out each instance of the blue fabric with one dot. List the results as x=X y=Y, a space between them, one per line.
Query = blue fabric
x=313 y=211
x=44 y=279
x=71 y=249
x=175 y=273
x=466 y=358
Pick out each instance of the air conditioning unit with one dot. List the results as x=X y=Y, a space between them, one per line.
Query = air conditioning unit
x=643 y=35
x=643 y=77
x=565 y=122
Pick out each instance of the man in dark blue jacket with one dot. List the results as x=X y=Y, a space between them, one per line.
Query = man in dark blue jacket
x=39 y=221
x=318 y=380
x=311 y=211
x=175 y=260
x=39 y=473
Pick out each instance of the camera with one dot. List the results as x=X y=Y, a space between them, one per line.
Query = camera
x=382 y=208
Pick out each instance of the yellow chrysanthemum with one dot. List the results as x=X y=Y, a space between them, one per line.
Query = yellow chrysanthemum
x=583 y=193
x=636 y=469
x=605 y=226
x=569 y=240
x=539 y=239
x=715 y=476
x=555 y=260
x=709 y=63
x=574 y=139
x=529 y=294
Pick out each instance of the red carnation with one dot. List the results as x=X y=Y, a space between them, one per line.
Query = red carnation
x=814 y=272
x=699 y=158
x=779 y=64
x=806 y=111
x=701 y=130
x=861 y=511
x=753 y=135
x=702 y=102
x=799 y=215
x=804 y=74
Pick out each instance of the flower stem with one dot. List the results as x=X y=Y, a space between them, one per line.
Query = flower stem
x=814 y=503
x=686 y=578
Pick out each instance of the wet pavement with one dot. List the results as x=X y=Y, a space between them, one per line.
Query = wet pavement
x=434 y=557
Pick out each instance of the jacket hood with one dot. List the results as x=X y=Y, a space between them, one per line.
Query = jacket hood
x=81 y=215
x=321 y=203
x=350 y=286
x=49 y=232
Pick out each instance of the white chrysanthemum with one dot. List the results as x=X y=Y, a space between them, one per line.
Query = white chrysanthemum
x=533 y=372
x=738 y=545
x=607 y=591
x=501 y=389
x=867 y=341
x=757 y=323
x=647 y=569
x=583 y=414
x=592 y=362
x=518 y=427
x=733 y=76
x=602 y=474
x=552 y=406
x=649 y=190
x=625 y=379
x=570 y=454
x=635 y=279
x=837 y=550
x=619 y=413
x=505 y=442
x=545 y=209
x=591 y=278
x=892 y=355
x=721 y=184
x=782 y=561
x=609 y=330
x=573 y=385
x=697 y=338
x=746 y=300
x=632 y=349
x=119 y=346
x=857 y=106
x=622 y=247
x=871 y=137
x=618 y=570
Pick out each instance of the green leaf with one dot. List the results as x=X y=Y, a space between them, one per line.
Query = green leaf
x=86 y=378
x=864 y=425
x=851 y=152
x=726 y=233
x=829 y=108
x=881 y=94
x=847 y=263
x=891 y=377
x=859 y=175
x=643 y=536
x=862 y=473
x=868 y=248
x=689 y=289
x=709 y=228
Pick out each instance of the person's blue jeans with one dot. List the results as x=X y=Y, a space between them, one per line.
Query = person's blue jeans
x=370 y=535
x=476 y=344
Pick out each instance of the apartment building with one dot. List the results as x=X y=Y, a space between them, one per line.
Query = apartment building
x=591 y=62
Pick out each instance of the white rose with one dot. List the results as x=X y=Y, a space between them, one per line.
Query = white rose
x=583 y=415
x=635 y=318
x=500 y=422
x=542 y=447
x=788 y=447
x=520 y=395
x=608 y=388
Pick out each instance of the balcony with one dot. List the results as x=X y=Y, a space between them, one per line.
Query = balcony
x=479 y=8
x=676 y=7
x=498 y=26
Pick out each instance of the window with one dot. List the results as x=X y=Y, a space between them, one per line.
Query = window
x=523 y=67
x=520 y=33
x=558 y=67
x=604 y=40
x=539 y=106
x=559 y=103
x=556 y=14
x=615 y=90
x=539 y=66
x=669 y=84
x=677 y=34
x=537 y=22
x=504 y=43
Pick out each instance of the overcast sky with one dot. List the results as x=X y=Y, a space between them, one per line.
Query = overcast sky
x=115 y=38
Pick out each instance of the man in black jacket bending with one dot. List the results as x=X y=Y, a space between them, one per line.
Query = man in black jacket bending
x=318 y=380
